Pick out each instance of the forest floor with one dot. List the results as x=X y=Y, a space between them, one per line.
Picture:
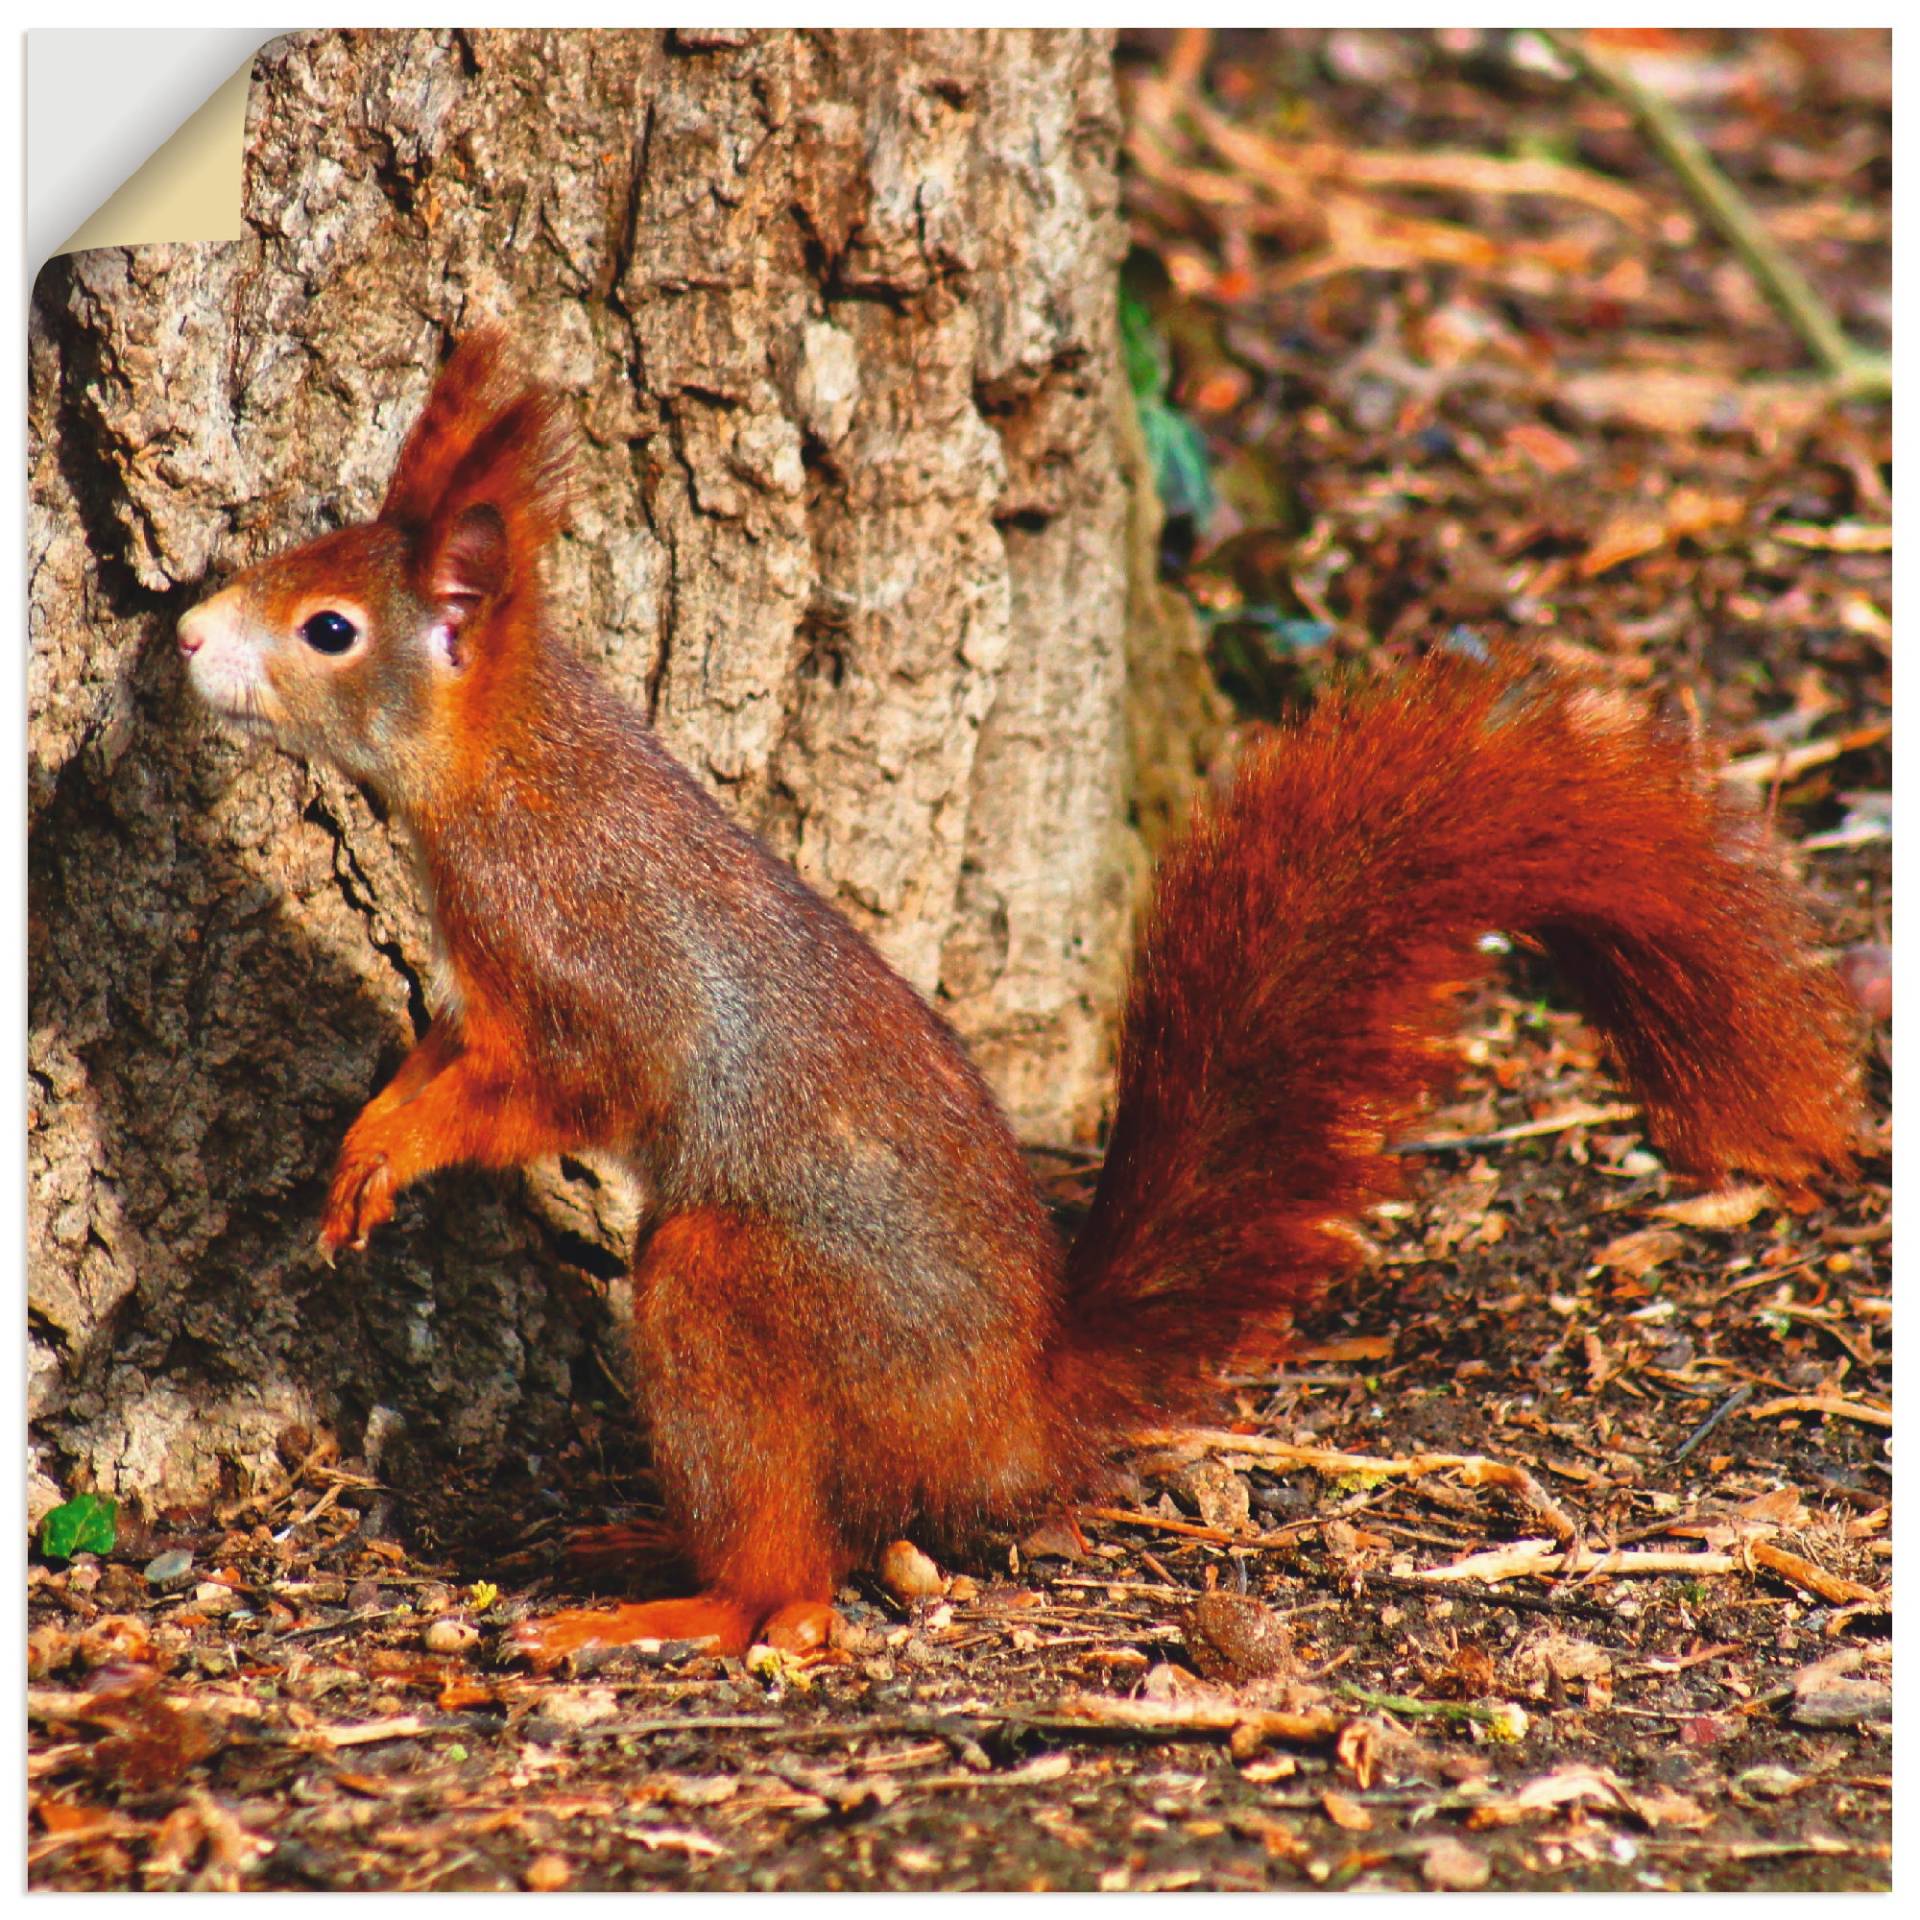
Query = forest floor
x=1557 y=1552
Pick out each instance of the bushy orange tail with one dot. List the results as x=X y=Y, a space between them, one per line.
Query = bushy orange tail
x=1295 y=976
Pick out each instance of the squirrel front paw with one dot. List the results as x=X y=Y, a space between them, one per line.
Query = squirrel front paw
x=360 y=1199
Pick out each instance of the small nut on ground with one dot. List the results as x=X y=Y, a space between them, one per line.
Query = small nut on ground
x=908 y=1574
x=450 y=1636
x=548 y=1873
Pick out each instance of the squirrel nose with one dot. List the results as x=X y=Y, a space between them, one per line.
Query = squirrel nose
x=205 y=622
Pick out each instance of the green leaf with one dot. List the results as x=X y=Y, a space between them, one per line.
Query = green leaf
x=85 y=1524
x=1140 y=342
x=1179 y=457
x=1174 y=447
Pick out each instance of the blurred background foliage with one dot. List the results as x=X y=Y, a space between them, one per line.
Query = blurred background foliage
x=1429 y=334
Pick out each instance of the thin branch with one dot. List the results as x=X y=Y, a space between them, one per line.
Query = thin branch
x=1858 y=371
x=1563 y=1122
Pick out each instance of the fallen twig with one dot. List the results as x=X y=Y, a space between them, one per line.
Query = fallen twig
x=1191 y=1530
x=1324 y=161
x=1475 y=1469
x=1861 y=833
x=1855 y=370
x=1465 y=1593
x=1815 y=1580
x=1564 y=1121
x=1819 y=1843
x=1499 y=1715
x=1824 y=1403
x=690 y=1723
x=1735 y=1400
x=326 y=1629
x=1849 y=536
x=1783 y=763
x=1521 y=1558
x=1159 y=1718
x=364 y=1733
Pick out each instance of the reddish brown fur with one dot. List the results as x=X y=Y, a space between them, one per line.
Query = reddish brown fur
x=486 y=435
x=851 y=1313
x=1296 y=977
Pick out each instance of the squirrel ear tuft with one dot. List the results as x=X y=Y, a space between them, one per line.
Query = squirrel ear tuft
x=490 y=441
x=472 y=388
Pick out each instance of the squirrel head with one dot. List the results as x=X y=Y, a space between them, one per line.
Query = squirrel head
x=384 y=647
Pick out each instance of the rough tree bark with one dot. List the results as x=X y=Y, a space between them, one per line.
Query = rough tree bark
x=837 y=312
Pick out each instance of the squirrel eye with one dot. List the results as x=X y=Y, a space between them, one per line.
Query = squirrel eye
x=329 y=632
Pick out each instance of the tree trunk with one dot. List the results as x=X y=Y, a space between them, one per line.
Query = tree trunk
x=837 y=313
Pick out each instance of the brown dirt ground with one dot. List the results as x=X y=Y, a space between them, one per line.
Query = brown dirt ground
x=1257 y=1671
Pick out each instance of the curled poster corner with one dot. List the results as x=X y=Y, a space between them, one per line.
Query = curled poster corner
x=135 y=138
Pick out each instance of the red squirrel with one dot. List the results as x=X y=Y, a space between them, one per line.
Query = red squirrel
x=852 y=1313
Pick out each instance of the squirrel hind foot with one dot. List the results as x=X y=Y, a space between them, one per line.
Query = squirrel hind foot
x=729 y=1627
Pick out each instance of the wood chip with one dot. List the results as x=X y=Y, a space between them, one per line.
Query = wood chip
x=1725 y=1207
x=1347 y=1813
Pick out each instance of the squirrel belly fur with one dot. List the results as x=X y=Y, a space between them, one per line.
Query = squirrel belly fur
x=852 y=1313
